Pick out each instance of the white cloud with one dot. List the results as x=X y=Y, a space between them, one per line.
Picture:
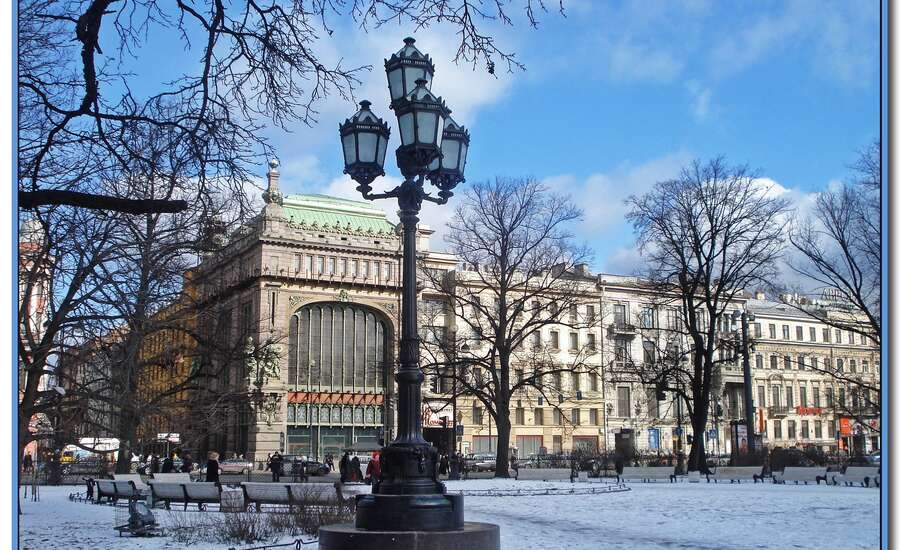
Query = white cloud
x=624 y=261
x=701 y=97
x=631 y=61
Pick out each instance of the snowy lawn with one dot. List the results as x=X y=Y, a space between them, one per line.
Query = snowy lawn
x=652 y=516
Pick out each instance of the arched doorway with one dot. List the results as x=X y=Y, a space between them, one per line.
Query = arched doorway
x=338 y=359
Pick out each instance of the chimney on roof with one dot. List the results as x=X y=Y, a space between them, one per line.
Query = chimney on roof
x=582 y=269
x=760 y=295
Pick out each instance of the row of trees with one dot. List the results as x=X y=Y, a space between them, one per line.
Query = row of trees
x=707 y=237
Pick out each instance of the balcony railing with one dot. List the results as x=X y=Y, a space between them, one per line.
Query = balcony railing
x=779 y=410
x=623 y=328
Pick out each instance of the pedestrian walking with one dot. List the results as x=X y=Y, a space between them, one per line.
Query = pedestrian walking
x=356 y=469
x=329 y=461
x=212 y=467
x=344 y=466
x=168 y=465
x=444 y=465
x=27 y=464
x=187 y=464
x=154 y=464
x=277 y=462
x=373 y=470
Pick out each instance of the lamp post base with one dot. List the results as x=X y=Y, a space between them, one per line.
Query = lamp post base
x=470 y=536
x=430 y=512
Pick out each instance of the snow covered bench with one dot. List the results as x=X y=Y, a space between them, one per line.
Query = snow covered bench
x=199 y=492
x=544 y=474
x=736 y=474
x=167 y=493
x=797 y=474
x=864 y=475
x=647 y=473
x=104 y=488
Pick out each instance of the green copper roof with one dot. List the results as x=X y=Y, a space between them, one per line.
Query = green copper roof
x=332 y=213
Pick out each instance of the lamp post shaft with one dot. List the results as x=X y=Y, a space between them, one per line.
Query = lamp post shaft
x=748 y=383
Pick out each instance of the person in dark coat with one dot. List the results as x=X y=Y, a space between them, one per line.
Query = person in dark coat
x=373 y=470
x=154 y=464
x=443 y=465
x=212 y=467
x=344 y=466
x=277 y=462
x=27 y=465
x=356 y=469
x=187 y=464
x=168 y=465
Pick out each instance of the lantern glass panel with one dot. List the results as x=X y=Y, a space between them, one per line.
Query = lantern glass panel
x=368 y=145
x=450 y=148
x=349 y=149
x=407 y=131
x=413 y=74
x=435 y=164
x=382 y=149
x=463 y=151
x=427 y=126
x=395 y=82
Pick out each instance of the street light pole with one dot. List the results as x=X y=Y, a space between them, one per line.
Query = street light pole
x=749 y=410
x=409 y=495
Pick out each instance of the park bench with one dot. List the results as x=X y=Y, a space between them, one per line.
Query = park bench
x=647 y=473
x=292 y=494
x=864 y=475
x=104 y=488
x=735 y=474
x=179 y=477
x=547 y=474
x=136 y=478
x=797 y=474
x=187 y=492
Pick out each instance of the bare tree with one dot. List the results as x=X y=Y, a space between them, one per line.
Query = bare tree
x=520 y=275
x=258 y=62
x=707 y=235
x=838 y=250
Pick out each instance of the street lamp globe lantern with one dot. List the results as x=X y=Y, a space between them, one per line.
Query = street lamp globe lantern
x=420 y=115
x=406 y=67
x=448 y=170
x=364 y=137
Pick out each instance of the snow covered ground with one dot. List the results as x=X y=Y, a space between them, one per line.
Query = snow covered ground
x=652 y=516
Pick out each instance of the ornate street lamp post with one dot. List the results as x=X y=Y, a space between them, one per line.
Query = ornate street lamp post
x=409 y=496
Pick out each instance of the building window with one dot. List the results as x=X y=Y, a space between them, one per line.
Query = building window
x=804 y=429
x=573 y=341
x=343 y=267
x=620 y=315
x=624 y=402
x=803 y=402
x=557 y=417
x=365 y=271
x=595 y=382
x=789 y=397
x=812 y=334
x=595 y=417
x=536 y=339
x=520 y=416
x=621 y=349
x=799 y=331
x=827 y=361
x=557 y=444
x=760 y=364
x=830 y=427
x=332 y=263
x=649 y=352
x=320 y=265
x=573 y=314
x=787 y=362
x=842 y=397
x=576 y=417
x=853 y=366
x=591 y=314
x=520 y=375
x=776 y=397
x=776 y=425
x=851 y=337
x=801 y=363
x=773 y=361
x=816 y=400
x=837 y=336
x=576 y=381
x=792 y=429
x=817 y=426
x=865 y=366
x=785 y=332
x=840 y=365
x=354 y=268
x=538 y=417
x=772 y=331
x=557 y=383
x=829 y=397
x=648 y=317
x=477 y=415
x=826 y=334
x=554 y=339
x=592 y=342
x=388 y=271
x=761 y=395
x=757 y=330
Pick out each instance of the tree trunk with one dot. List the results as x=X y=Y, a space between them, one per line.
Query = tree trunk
x=503 y=429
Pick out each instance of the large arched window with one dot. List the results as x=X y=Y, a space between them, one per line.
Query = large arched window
x=337 y=347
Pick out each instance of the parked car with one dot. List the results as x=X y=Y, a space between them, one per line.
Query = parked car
x=232 y=466
x=481 y=462
x=313 y=467
x=874 y=458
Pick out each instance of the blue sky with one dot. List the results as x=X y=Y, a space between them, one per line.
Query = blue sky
x=619 y=95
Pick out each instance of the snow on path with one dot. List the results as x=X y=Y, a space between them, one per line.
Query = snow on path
x=649 y=516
